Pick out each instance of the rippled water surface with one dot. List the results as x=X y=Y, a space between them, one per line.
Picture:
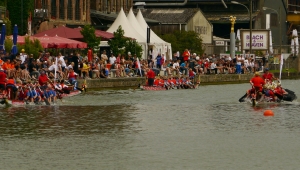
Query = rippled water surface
x=204 y=128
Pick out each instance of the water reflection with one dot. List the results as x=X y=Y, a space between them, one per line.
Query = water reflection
x=65 y=120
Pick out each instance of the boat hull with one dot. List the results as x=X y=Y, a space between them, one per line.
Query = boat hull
x=22 y=103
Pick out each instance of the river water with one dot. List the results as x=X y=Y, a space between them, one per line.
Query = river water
x=130 y=129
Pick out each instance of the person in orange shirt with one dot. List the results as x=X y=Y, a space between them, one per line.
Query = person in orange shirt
x=186 y=54
x=8 y=67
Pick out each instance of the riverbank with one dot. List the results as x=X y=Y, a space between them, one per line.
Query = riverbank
x=205 y=79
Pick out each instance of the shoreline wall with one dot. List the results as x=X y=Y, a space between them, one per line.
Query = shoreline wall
x=205 y=79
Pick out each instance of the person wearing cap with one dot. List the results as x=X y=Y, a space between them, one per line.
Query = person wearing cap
x=267 y=76
x=257 y=82
x=23 y=56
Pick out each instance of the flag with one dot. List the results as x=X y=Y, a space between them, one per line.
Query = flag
x=29 y=24
x=139 y=65
x=281 y=64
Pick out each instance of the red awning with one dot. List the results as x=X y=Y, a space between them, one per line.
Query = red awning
x=55 y=42
x=61 y=32
x=72 y=33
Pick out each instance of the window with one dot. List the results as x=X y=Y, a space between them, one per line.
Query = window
x=274 y=20
x=77 y=10
x=53 y=9
x=70 y=10
x=61 y=9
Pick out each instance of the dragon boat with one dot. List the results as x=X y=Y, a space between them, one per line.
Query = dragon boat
x=263 y=97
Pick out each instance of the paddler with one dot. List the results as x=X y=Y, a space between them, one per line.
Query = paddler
x=268 y=77
x=150 y=75
x=12 y=84
x=257 y=82
x=2 y=79
x=72 y=78
x=43 y=79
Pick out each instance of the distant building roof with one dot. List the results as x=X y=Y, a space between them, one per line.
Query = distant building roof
x=221 y=17
x=179 y=15
x=113 y=16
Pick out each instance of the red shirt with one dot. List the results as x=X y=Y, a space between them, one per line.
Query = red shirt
x=268 y=76
x=257 y=81
x=2 y=77
x=186 y=55
x=151 y=74
x=43 y=79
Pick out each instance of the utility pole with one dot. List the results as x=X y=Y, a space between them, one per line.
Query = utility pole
x=250 y=50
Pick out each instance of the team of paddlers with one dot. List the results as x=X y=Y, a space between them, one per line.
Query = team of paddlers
x=267 y=88
x=37 y=91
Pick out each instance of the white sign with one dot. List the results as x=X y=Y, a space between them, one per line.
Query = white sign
x=260 y=39
x=220 y=43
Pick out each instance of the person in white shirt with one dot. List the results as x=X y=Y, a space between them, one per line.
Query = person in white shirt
x=238 y=64
x=112 y=59
x=62 y=60
x=23 y=56
x=176 y=67
x=213 y=67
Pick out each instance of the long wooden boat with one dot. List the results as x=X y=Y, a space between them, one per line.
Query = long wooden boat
x=22 y=103
x=159 y=88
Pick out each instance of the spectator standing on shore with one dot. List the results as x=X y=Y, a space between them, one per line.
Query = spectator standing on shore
x=150 y=75
x=186 y=55
x=75 y=59
x=238 y=64
x=112 y=59
x=158 y=61
x=104 y=57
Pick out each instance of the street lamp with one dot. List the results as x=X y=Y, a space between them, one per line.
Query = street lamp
x=279 y=18
x=250 y=16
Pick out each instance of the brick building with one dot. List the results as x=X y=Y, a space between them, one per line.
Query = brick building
x=74 y=13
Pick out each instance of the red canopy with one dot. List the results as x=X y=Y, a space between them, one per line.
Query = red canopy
x=61 y=32
x=72 y=33
x=55 y=42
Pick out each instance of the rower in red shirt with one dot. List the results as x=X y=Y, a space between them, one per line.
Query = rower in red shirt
x=2 y=79
x=257 y=82
x=43 y=79
x=267 y=76
x=150 y=76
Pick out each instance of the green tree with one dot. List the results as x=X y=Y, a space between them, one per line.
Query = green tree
x=89 y=36
x=133 y=47
x=31 y=47
x=118 y=43
x=8 y=43
x=7 y=23
x=19 y=11
x=182 y=40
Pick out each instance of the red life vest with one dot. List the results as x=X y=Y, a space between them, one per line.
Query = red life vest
x=72 y=75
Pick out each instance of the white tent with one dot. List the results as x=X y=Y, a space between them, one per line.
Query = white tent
x=129 y=30
x=160 y=46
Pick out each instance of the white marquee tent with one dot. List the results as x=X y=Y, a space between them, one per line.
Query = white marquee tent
x=160 y=46
x=129 y=30
x=132 y=28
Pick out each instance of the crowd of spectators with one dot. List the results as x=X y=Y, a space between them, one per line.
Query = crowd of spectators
x=24 y=66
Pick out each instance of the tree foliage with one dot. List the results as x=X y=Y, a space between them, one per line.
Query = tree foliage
x=31 y=47
x=182 y=40
x=133 y=47
x=8 y=43
x=89 y=36
x=122 y=45
x=7 y=23
x=19 y=11
x=118 y=43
